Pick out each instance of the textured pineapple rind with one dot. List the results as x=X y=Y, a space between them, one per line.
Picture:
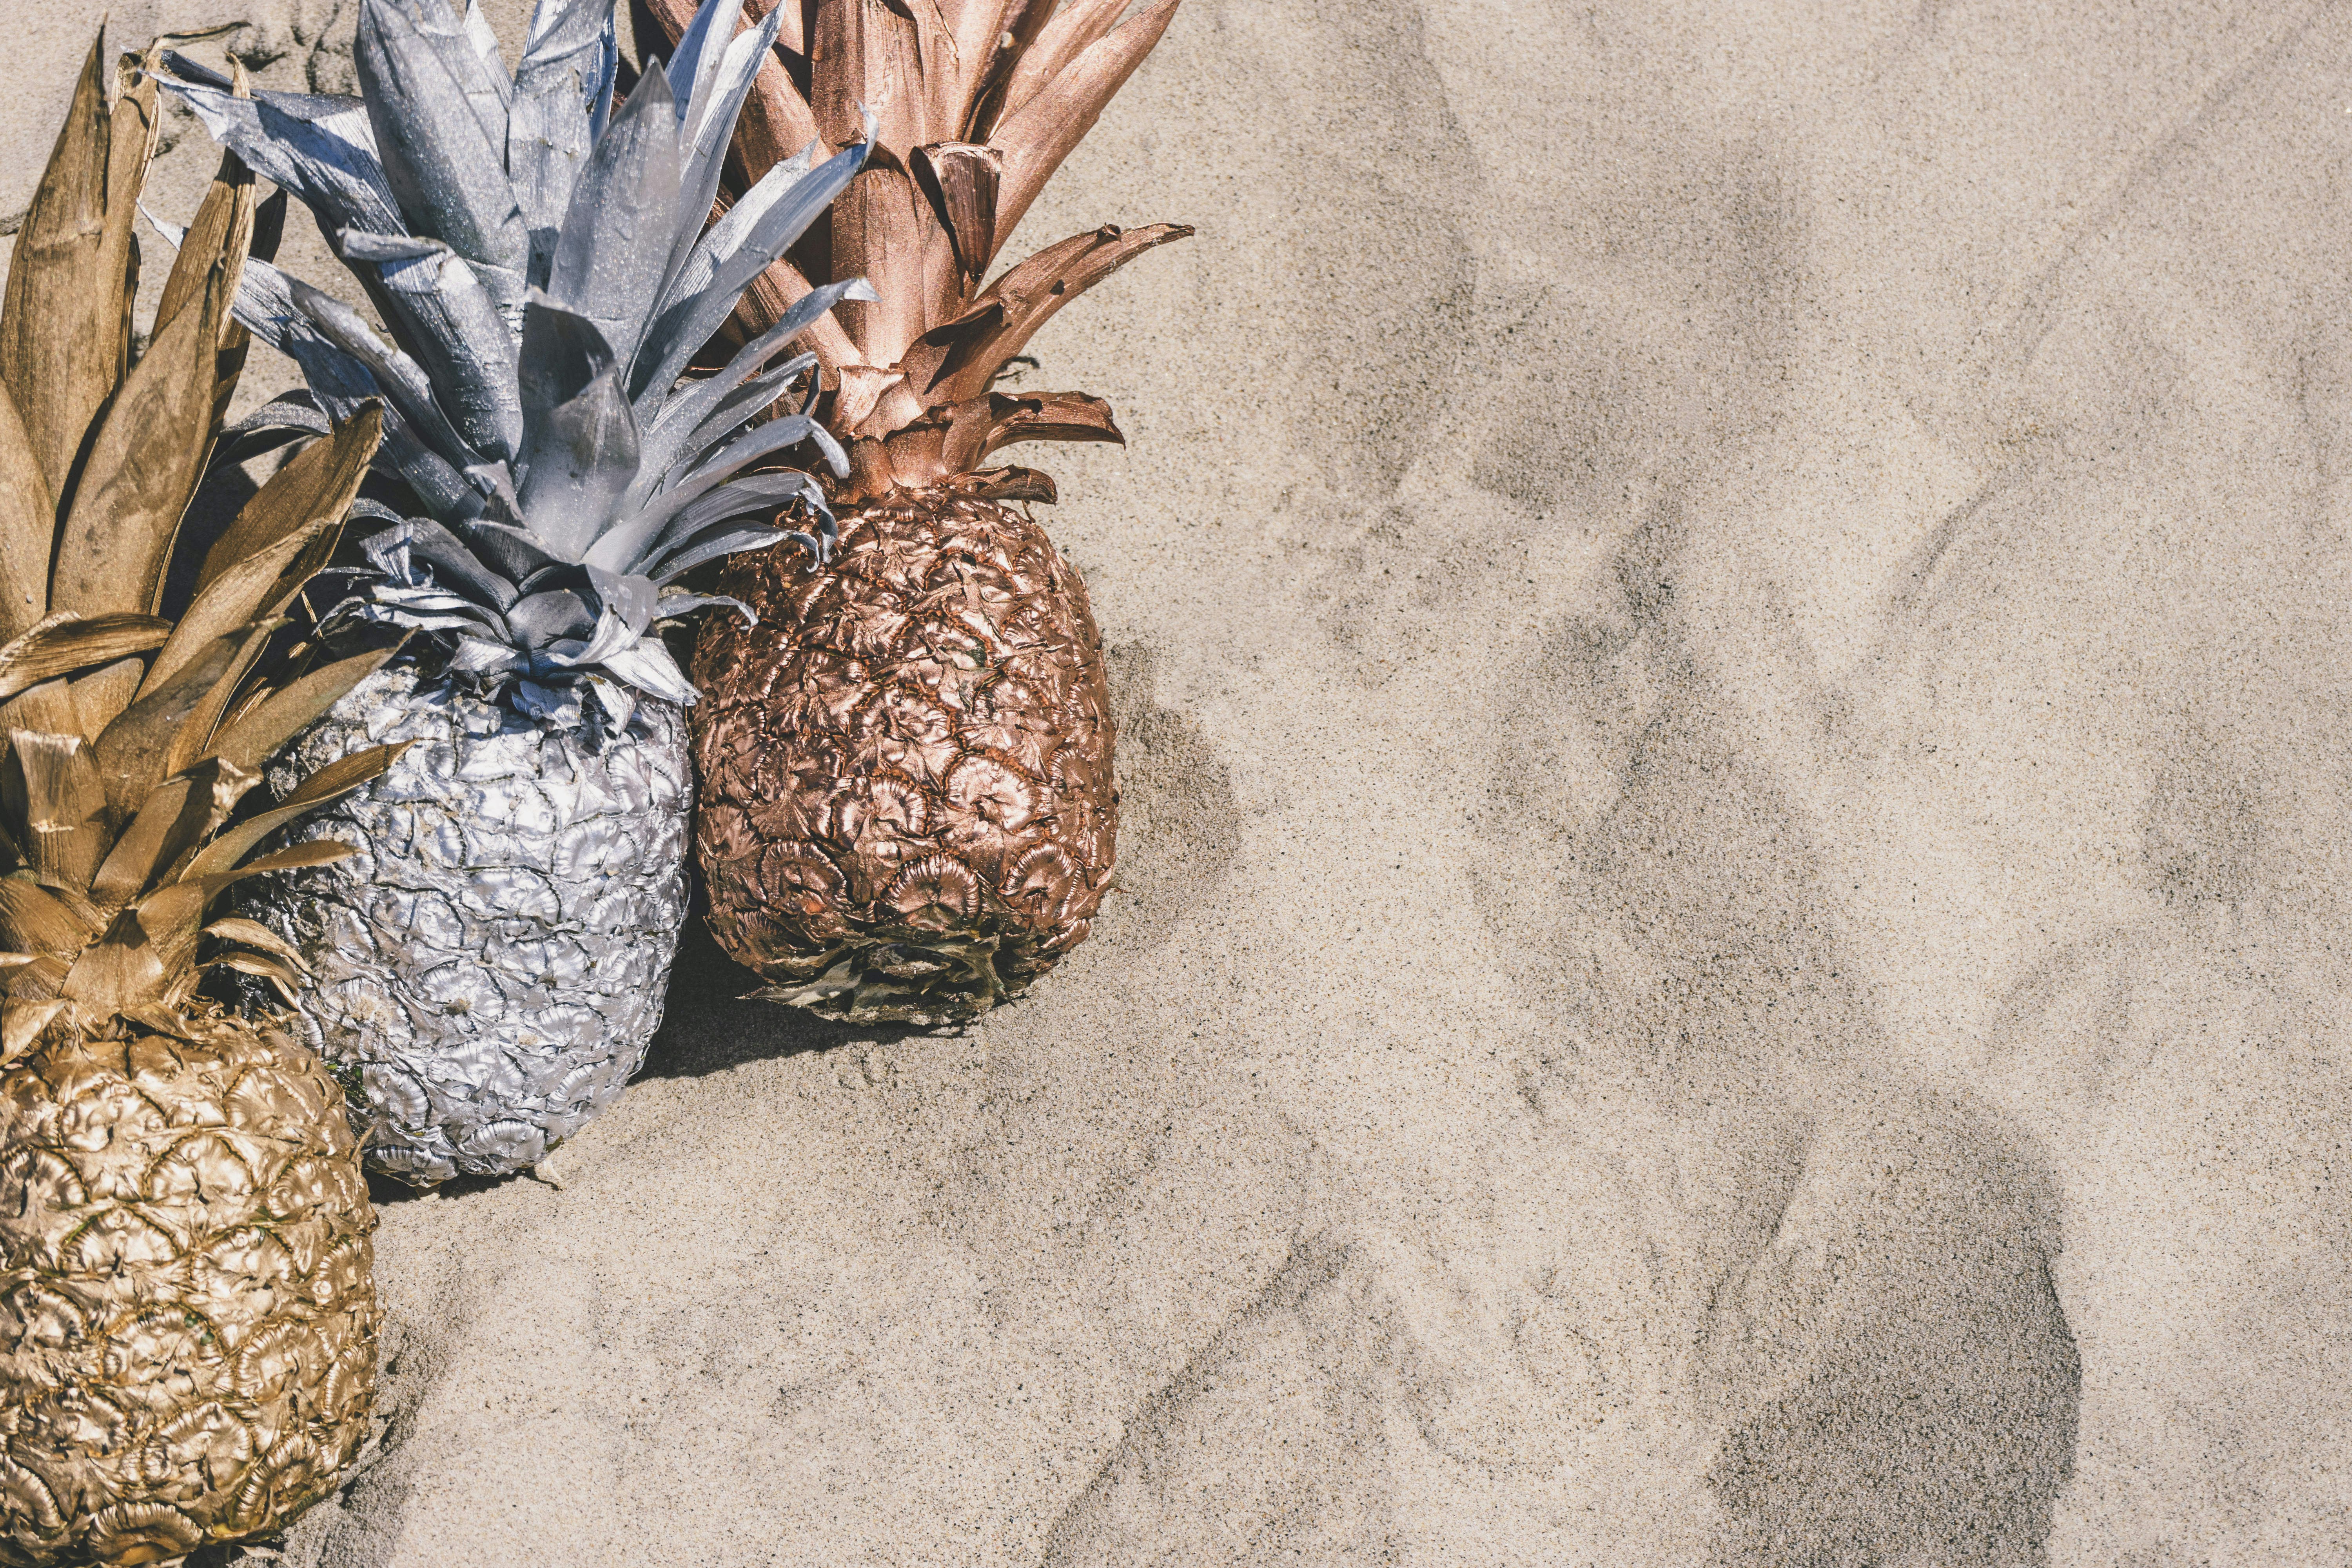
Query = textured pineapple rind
x=907 y=806
x=489 y=968
x=187 y=1317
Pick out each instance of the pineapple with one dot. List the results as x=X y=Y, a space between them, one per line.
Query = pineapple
x=907 y=808
x=492 y=965
x=187 y=1320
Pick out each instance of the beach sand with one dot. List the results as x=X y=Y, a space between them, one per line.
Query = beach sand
x=1729 y=629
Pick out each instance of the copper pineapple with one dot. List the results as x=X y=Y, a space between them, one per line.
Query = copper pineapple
x=187 y=1320
x=907 y=809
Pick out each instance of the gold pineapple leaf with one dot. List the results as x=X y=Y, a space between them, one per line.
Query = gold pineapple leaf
x=24 y=1021
x=257 y=736
x=63 y=642
x=223 y=228
x=253 y=934
x=33 y=919
x=28 y=524
x=168 y=921
x=252 y=590
x=337 y=779
x=143 y=466
x=135 y=752
x=173 y=822
x=282 y=978
x=317 y=486
x=65 y=810
x=121 y=969
x=64 y=324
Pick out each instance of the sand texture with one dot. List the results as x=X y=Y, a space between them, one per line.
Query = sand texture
x=1730 y=628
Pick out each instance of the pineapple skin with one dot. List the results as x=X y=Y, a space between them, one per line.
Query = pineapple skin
x=907 y=808
x=491 y=965
x=187 y=1320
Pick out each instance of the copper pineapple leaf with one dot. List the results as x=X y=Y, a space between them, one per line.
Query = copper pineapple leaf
x=1038 y=135
x=974 y=347
x=776 y=115
x=962 y=178
x=1000 y=55
x=977 y=25
x=1071 y=29
x=1048 y=416
x=872 y=66
x=879 y=226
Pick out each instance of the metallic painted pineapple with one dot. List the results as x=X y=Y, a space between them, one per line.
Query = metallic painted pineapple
x=492 y=965
x=187 y=1321
x=908 y=810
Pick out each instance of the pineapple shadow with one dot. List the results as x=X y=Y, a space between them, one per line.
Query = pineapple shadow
x=1179 y=827
x=1178 y=831
x=1874 y=1340
x=709 y=1024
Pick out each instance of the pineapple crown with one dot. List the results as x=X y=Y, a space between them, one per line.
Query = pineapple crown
x=977 y=103
x=131 y=739
x=541 y=266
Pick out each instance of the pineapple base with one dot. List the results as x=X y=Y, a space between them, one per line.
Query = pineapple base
x=890 y=975
x=907 y=808
x=490 y=967
x=187 y=1320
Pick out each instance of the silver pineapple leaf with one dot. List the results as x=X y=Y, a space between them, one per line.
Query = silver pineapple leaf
x=444 y=164
x=541 y=267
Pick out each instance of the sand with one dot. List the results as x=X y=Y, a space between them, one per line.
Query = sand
x=1730 y=629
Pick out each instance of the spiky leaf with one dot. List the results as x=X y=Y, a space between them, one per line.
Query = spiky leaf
x=622 y=224
x=27 y=524
x=441 y=161
x=314 y=485
x=63 y=642
x=256 y=737
x=144 y=467
x=62 y=326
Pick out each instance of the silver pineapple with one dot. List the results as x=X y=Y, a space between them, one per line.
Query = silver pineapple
x=491 y=966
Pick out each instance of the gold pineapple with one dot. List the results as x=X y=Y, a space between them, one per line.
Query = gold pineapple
x=908 y=810
x=187 y=1320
